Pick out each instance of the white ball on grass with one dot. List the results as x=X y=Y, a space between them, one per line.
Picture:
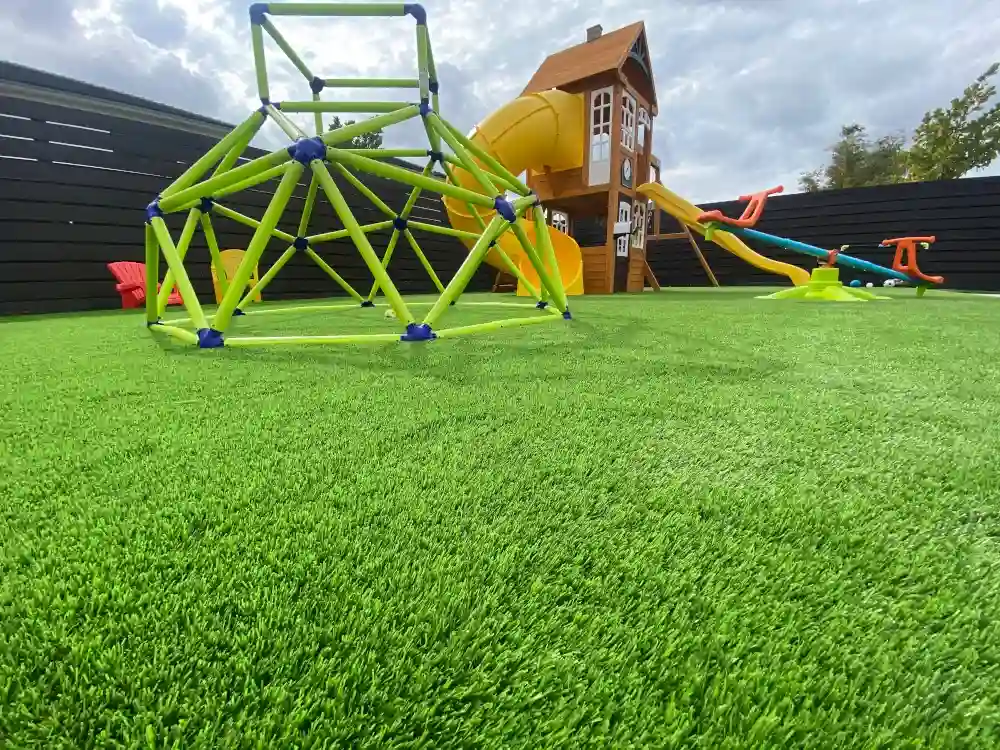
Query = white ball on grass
x=869 y=284
x=390 y=313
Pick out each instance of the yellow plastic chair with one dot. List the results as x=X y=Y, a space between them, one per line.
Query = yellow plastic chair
x=231 y=260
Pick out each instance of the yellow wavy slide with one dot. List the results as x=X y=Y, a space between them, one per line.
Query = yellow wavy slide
x=688 y=213
x=534 y=132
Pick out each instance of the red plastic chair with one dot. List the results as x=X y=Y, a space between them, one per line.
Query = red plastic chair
x=131 y=278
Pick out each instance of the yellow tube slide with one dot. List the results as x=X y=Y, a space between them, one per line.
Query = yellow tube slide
x=688 y=213
x=534 y=132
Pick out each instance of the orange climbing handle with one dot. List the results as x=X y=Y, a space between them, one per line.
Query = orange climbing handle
x=831 y=256
x=751 y=214
x=908 y=245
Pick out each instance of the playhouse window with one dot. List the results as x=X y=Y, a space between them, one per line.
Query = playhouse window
x=560 y=221
x=600 y=136
x=643 y=127
x=628 y=121
x=601 y=126
x=639 y=224
x=621 y=241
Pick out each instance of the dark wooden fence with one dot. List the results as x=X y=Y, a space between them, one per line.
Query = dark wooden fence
x=964 y=215
x=79 y=163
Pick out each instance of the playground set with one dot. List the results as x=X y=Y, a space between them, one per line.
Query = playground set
x=580 y=133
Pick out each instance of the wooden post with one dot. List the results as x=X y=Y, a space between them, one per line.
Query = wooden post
x=648 y=275
x=504 y=282
x=686 y=233
x=609 y=237
x=701 y=256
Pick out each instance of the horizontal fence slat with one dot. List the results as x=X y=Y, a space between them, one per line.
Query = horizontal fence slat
x=79 y=118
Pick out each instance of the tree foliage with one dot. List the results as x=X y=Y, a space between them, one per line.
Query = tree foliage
x=856 y=161
x=368 y=140
x=949 y=143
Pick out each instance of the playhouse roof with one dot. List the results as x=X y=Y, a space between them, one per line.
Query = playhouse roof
x=607 y=52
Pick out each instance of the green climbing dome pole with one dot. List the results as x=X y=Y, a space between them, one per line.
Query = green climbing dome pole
x=318 y=167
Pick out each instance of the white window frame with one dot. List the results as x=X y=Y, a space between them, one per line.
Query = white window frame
x=639 y=225
x=599 y=169
x=622 y=241
x=628 y=121
x=643 y=126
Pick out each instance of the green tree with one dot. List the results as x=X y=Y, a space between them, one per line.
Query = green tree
x=947 y=144
x=951 y=142
x=368 y=140
x=856 y=161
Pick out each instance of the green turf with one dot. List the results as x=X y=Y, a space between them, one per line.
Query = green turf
x=686 y=519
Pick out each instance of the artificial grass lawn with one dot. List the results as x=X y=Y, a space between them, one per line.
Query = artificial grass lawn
x=689 y=519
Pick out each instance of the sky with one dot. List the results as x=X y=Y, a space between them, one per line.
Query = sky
x=751 y=92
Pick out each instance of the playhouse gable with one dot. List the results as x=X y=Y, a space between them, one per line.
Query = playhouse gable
x=601 y=54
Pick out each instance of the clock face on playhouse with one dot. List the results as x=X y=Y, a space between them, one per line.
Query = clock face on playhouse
x=627 y=172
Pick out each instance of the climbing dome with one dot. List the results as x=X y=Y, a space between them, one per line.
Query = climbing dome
x=200 y=192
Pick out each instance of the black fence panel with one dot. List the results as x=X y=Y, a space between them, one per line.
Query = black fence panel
x=78 y=164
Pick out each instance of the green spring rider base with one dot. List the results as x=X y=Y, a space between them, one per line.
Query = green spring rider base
x=825 y=286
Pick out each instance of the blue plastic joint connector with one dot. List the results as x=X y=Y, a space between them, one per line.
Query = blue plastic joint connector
x=542 y=304
x=307 y=150
x=434 y=87
x=505 y=208
x=418 y=332
x=209 y=338
x=399 y=224
x=301 y=243
x=367 y=303
x=153 y=209
x=265 y=102
x=425 y=107
x=538 y=201
x=156 y=322
x=436 y=156
x=417 y=11
x=257 y=13
x=237 y=312
x=567 y=316
x=263 y=110
x=317 y=84
x=206 y=205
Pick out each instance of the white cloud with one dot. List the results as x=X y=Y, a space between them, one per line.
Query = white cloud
x=751 y=91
